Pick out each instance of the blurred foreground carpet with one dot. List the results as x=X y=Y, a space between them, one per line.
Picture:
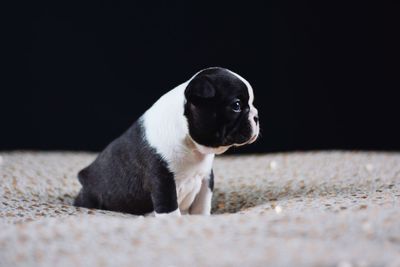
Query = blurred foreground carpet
x=291 y=209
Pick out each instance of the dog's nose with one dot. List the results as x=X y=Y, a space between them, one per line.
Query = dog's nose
x=256 y=119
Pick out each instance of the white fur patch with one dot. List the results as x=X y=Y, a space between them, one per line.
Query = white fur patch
x=175 y=213
x=165 y=125
x=202 y=203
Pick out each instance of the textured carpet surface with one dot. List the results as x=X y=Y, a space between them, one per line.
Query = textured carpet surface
x=293 y=209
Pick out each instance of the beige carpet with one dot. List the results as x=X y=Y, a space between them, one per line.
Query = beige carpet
x=295 y=209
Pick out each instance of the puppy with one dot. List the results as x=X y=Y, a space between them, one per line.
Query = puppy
x=163 y=162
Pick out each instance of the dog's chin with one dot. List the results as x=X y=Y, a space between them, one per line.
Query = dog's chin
x=222 y=149
x=251 y=140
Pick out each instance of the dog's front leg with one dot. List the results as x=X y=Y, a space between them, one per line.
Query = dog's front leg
x=202 y=202
x=163 y=196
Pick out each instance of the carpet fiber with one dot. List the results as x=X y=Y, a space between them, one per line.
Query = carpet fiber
x=291 y=209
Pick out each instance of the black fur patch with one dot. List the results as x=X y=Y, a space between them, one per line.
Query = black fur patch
x=128 y=176
x=211 y=181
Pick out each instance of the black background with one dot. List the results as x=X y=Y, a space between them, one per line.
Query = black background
x=77 y=75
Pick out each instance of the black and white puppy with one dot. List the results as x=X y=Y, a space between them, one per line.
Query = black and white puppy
x=163 y=162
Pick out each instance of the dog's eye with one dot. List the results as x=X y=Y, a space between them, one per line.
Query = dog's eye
x=236 y=106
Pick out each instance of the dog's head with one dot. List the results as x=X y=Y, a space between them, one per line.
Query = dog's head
x=220 y=112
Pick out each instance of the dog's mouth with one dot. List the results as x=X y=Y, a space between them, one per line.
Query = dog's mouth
x=250 y=141
x=242 y=137
x=221 y=149
x=253 y=139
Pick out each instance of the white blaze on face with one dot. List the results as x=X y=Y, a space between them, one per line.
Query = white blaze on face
x=253 y=111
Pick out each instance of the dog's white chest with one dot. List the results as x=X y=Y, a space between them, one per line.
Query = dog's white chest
x=188 y=181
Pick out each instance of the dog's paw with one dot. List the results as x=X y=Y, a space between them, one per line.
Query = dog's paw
x=175 y=213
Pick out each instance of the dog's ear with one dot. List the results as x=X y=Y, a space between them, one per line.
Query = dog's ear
x=200 y=90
